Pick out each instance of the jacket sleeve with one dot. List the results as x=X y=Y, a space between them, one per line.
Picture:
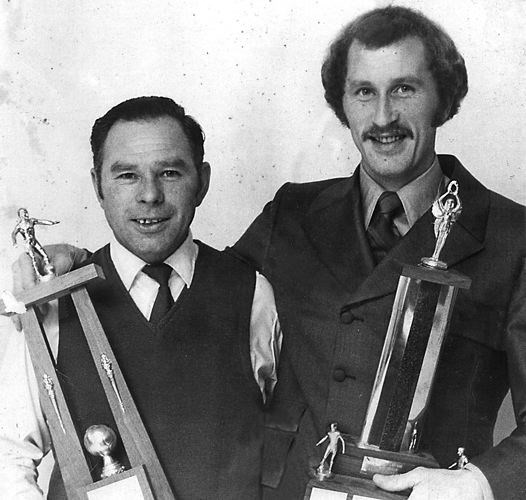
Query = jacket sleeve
x=504 y=464
x=253 y=246
x=287 y=406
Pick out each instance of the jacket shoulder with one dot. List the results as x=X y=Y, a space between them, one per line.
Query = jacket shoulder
x=508 y=215
x=301 y=195
x=226 y=261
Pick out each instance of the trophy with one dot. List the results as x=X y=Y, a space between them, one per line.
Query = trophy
x=101 y=440
x=25 y=227
x=145 y=478
x=389 y=440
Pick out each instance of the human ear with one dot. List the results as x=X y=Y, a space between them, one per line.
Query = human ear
x=204 y=176
x=95 y=182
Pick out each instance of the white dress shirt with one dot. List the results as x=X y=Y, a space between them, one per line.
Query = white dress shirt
x=24 y=437
x=416 y=196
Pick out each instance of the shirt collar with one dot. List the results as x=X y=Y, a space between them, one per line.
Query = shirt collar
x=416 y=196
x=128 y=265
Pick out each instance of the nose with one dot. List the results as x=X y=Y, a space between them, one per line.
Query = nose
x=385 y=112
x=150 y=190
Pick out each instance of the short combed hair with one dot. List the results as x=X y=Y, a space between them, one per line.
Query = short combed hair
x=145 y=108
x=385 y=26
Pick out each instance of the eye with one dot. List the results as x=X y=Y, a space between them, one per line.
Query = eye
x=363 y=93
x=403 y=90
x=171 y=173
x=126 y=176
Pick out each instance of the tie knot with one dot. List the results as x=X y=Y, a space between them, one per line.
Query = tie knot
x=389 y=204
x=159 y=272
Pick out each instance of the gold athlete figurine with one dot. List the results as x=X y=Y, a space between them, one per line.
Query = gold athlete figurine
x=446 y=210
x=25 y=227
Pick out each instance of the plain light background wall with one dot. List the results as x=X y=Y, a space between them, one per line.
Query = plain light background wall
x=249 y=72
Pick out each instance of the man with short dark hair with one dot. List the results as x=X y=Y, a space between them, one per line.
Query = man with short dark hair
x=392 y=77
x=194 y=330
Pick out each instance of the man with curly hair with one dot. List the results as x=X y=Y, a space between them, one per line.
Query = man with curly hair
x=393 y=77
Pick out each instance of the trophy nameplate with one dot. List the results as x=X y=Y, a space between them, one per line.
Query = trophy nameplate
x=389 y=440
x=145 y=479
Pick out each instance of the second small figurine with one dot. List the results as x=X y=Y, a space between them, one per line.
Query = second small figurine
x=323 y=472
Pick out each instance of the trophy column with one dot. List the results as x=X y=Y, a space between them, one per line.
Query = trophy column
x=389 y=441
x=145 y=480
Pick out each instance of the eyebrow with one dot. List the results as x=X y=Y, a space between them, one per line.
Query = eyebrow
x=121 y=166
x=411 y=79
x=408 y=79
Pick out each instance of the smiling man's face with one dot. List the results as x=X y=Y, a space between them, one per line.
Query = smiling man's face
x=150 y=186
x=391 y=103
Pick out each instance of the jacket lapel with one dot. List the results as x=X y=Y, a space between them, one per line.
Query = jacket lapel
x=383 y=280
x=334 y=226
x=466 y=237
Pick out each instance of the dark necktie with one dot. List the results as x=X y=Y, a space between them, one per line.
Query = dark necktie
x=381 y=232
x=164 y=300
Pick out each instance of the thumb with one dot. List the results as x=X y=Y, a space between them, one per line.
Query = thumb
x=17 y=322
x=397 y=482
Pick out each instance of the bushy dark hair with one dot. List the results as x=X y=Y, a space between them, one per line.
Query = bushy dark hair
x=145 y=108
x=382 y=27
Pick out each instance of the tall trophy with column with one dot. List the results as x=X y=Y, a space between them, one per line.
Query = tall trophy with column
x=142 y=478
x=390 y=436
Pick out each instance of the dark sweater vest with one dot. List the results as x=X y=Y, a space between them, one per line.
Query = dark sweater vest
x=191 y=377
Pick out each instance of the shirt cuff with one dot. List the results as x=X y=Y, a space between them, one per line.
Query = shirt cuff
x=265 y=336
x=482 y=480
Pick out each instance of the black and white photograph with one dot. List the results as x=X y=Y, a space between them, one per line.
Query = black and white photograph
x=263 y=250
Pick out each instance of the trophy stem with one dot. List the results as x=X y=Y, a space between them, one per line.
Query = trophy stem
x=110 y=467
x=418 y=324
x=409 y=369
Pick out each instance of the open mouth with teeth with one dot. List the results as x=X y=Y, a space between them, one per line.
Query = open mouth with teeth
x=387 y=139
x=150 y=222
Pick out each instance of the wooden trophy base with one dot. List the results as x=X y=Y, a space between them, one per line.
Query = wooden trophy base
x=354 y=471
x=365 y=461
x=348 y=488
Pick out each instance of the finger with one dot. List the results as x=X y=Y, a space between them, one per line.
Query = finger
x=65 y=257
x=398 y=482
x=23 y=274
x=17 y=322
x=80 y=255
x=44 y=308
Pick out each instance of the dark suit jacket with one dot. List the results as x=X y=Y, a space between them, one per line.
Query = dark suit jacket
x=334 y=306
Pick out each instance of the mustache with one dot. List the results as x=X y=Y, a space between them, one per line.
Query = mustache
x=376 y=131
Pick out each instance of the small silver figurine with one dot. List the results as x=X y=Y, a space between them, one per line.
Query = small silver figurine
x=101 y=440
x=415 y=435
x=462 y=460
x=446 y=210
x=322 y=472
x=25 y=226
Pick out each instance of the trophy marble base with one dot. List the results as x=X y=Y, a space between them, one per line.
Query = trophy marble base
x=348 y=488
